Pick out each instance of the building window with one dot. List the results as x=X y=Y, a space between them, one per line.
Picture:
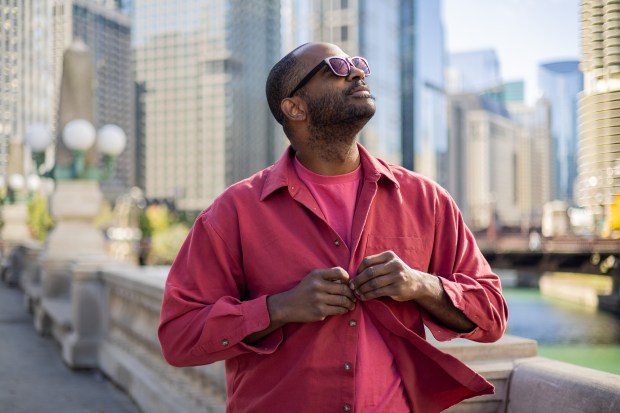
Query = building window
x=344 y=33
x=344 y=4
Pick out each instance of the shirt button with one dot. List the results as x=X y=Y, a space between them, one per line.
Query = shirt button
x=224 y=343
x=347 y=366
x=346 y=407
x=352 y=323
x=337 y=243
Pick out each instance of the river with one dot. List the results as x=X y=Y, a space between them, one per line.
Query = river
x=565 y=331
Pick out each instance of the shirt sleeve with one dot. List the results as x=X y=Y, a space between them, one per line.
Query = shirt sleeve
x=204 y=317
x=467 y=279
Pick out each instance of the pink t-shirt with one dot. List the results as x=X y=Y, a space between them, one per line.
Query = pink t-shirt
x=337 y=197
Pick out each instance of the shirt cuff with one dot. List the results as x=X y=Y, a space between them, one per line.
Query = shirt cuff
x=456 y=292
x=257 y=314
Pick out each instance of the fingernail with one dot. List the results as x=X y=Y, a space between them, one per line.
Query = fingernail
x=351 y=286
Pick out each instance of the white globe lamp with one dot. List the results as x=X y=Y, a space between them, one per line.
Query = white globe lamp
x=33 y=182
x=111 y=140
x=16 y=182
x=38 y=137
x=79 y=135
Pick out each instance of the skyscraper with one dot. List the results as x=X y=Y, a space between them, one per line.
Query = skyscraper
x=484 y=164
x=26 y=90
x=423 y=96
x=202 y=66
x=598 y=182
x=9 y=78
x=107 y=32
x=560 y=83
x=534 y=177
x=473 y=72
x=513 y=92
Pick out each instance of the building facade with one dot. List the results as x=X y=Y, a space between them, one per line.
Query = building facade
x=9 y=80
x=26 y=87
x=424 y=124
x=598 y=181
x=560 y=83
x=534 y=166
x=473 y=72
x=202 y=71
x=483 y=161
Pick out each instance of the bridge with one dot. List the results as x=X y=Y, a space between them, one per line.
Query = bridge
x=533 y=256
x=588 y=255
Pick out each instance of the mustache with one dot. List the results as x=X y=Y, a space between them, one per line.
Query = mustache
x=355 y=85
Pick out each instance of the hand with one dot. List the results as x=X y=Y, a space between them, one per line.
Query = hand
x=321 y=293
x=386 y=275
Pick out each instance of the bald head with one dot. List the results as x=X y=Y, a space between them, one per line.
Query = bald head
x=287 y=73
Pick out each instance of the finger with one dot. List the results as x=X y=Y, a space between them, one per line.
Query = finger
x=375 y=259
x=334 y=310
x=340 y=289
x=372 y=273
x=376 y=283
x=386 y=291
x=339 y=301
x=336 y=274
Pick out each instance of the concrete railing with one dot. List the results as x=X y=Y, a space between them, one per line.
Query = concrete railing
x=109 y=321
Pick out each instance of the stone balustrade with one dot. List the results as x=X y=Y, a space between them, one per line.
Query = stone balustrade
x=130 y=354
x=109 y=321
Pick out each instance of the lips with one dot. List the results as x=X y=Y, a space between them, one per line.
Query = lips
x=360 y=91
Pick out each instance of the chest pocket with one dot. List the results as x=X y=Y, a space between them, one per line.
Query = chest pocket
x=412 y=250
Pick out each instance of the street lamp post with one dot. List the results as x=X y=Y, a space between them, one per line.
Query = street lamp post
x=75 y=240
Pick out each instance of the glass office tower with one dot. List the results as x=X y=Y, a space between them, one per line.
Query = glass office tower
x=202 y=68
x=474 y=71
x=561 y=83
x=430 y=136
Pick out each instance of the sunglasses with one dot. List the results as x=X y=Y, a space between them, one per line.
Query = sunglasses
x=340 y=66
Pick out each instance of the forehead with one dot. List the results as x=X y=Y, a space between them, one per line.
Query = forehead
x=313 y=53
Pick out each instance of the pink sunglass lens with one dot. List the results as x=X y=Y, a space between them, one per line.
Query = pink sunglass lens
x=339 y=66
x=361 y=64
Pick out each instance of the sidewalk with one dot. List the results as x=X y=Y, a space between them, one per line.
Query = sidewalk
x=33 y=377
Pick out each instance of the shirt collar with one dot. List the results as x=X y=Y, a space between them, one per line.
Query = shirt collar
x=282 y=173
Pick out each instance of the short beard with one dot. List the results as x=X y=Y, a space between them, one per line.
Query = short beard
x=334 y=123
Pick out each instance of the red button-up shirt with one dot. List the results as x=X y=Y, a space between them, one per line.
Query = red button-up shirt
x=266 y=233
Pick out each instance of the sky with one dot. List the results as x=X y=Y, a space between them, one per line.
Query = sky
x=524 y=33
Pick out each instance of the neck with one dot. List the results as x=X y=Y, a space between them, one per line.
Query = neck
x=335 y=159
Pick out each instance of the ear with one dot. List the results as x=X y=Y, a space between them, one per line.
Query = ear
x=294 y=108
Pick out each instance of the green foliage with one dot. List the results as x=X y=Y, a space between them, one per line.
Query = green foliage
x=105 y=215
x=145 y=224
x=165 y=245
x=163 y=232
x=40 y=221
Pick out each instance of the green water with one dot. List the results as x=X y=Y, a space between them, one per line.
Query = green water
x=565 y=331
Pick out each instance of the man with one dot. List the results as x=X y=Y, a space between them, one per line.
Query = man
x=314 y=278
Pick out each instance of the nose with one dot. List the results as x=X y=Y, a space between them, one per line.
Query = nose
x=356 y=73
